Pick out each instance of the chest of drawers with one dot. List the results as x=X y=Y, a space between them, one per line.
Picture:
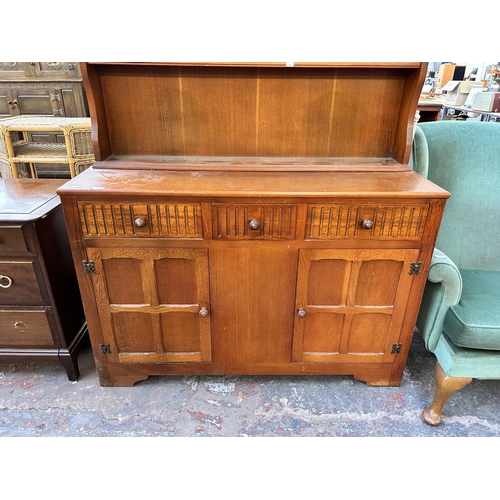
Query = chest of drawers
x=252 y=220
x=41 y=313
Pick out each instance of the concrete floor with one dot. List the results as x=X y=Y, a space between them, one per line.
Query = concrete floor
x=38 y=400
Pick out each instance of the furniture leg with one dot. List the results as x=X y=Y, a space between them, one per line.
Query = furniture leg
x=10 y=151
x=70 y=363
x=445 y=387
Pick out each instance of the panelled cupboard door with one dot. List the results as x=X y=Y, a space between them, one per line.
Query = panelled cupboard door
x=350 y=304
x=153 y=303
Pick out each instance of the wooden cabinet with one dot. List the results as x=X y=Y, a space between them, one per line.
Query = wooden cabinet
x=41 y=313
x=42 y=88
x=254 y=220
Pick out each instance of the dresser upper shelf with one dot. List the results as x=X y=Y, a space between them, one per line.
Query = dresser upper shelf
x=221 y=116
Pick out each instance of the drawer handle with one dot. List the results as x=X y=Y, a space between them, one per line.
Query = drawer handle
x=254 y=224
x=17 y=323
x=367 y=224
x=203 y=312
x=140 y=222
x=302 y=313
x=7 y=279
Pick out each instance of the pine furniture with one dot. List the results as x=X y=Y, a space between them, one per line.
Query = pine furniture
x=252 y=219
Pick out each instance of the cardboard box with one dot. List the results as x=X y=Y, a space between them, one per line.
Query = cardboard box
x=457 y=91
x=487 y=101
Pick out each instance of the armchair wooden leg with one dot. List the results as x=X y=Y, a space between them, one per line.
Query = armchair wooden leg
x=445 y=387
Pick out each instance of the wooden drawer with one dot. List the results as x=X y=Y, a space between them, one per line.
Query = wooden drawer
x=12 y=239
x=370 y=221
x=248 y=221
x=162 y=220
x=19 y=284
x=24 y=328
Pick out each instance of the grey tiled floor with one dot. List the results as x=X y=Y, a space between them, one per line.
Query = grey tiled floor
x=38 y=400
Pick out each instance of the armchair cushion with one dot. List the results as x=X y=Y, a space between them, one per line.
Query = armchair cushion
x=475 y=321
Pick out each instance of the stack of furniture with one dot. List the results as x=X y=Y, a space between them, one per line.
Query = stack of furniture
x=460 y=314
x=41 y=313
x=23 y=154
x=41 y=89
x=252 y=219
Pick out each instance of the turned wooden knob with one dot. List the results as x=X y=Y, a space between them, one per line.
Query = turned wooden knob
x=367 y=224
x=140 y=222
x=254 y=224
x=302 y=313
x=203 y=312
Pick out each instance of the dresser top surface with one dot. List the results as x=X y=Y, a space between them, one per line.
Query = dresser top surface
x=95 y=182
x=28 y=199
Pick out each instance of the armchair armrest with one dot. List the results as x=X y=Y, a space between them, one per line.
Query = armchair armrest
x=419 y=158
x=443 y=289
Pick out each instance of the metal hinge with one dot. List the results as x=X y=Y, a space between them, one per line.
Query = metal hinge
x=88 y=267
x=415 y=267
x=396 y=348
x=105 y=348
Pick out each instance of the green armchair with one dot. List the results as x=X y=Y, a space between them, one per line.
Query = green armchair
x=459 y=317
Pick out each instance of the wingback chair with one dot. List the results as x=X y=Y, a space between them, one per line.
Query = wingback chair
x=459 y=318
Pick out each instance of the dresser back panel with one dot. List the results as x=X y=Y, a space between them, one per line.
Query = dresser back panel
x=219 y=111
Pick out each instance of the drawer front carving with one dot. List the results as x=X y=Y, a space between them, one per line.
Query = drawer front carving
x=18 y=283
x=165 y=220
x=371 y=221
x=247 y=221
x=24 y=328
x=12 y=240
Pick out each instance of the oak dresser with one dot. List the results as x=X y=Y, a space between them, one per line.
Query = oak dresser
x=252 y=219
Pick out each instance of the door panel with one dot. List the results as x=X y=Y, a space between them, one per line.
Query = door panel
x=120 y=274
x=128 y=328
x=173 y=288
x=322 y=274
x=368 y=333
x=252 y=292
x=180 y=321
x=371 y=289
x=323 y=333
x=150 y=305
x=350 y=304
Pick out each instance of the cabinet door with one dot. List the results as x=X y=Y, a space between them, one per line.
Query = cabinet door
x=153 y=303
x=8 y=103
x=42 y=99
x=350 y=304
